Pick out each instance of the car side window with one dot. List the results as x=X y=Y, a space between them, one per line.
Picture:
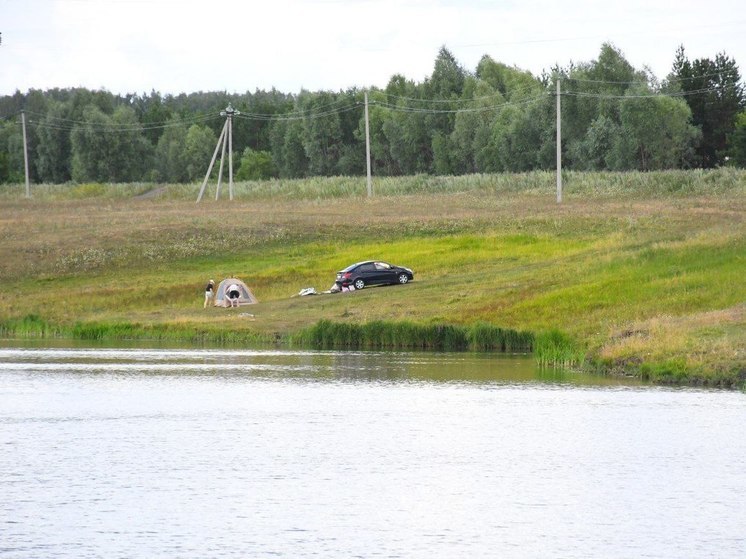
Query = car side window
x=382 y=266
x=367 y=268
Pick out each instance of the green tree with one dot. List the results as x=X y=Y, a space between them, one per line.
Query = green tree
x=200 y=144
x=715 y=95
x=593 y=90
x=448 y=77
x=519 y=136
x=322 y=131
x=351 y=160
x=737 y=142
x=35 y=106
x=443 y=160
x=409 y=130
x=511 y=83
x=659 y=130
x=445 y=87
x=256 y=165
x=261 y=107
x=11 y=152
x=108 y=148
x=171 y=158
x=409 y=142
x=152 y=113
x=54 y=150
x=593 y=151
x=404 y=128
x=89 y=146
x=380 y=150
x=287 y=148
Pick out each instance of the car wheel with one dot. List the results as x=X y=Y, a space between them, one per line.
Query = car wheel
x=359 y=283
x=403 y=278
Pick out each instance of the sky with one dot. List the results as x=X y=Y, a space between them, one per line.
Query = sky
x=185 y=46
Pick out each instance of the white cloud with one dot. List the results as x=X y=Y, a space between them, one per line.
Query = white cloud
x=187 y=45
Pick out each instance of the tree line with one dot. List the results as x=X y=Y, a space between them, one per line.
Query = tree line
x=493 y=119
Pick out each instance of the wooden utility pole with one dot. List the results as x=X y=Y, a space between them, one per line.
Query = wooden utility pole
x=367 y=146
x=222 y=159
x=212 y=162
x=225 y=140
x=230 y=151
x=25 y=154
x=559 y=144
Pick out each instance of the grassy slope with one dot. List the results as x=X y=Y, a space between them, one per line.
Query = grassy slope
x=645 y=270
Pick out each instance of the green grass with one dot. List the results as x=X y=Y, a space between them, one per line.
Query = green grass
x=379 y=334
x=29 y=326
x=657 y=254
x=671 y=183
x=555 y=349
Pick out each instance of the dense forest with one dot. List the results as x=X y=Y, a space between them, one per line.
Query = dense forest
x=496 y=118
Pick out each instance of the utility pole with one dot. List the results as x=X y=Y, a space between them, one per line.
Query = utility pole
x=367 y=146
x=222 y=159
x=25 y=154
x=226 y=138
x=559 y=144
x=230 y=150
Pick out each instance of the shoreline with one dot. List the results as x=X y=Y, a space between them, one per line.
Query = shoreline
x=337 y=337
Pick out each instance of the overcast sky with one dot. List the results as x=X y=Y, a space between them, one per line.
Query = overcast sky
x=175 y=46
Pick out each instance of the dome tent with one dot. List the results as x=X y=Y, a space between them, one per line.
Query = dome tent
x=221 y=297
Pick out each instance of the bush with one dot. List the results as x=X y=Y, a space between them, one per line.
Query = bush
x=255 y=166
x=556 y=349
x=88 y=190
x=326 y=334
x=30 y=325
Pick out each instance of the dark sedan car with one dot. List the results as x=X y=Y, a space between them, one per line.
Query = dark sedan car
x=373 y=272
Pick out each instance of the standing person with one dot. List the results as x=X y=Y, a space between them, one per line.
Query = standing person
x=233 y=294
x=209 y=293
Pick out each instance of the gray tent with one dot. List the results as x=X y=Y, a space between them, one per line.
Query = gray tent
x=246 y=297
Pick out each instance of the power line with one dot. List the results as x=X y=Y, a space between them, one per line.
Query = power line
x=640 y=82
x=115 y=126
x=455 y=101
x=486 y=108
x=299 y=115
x=101 y=126
x=65 y=124
x=9 y=116
x=649 y=95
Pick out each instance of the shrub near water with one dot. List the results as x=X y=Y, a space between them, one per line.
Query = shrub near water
x=30 y=325
x=486 y=337
x=162 y=332
x=377 y=334
x=556 y=349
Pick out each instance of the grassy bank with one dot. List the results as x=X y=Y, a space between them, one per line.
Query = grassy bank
x=634 y=273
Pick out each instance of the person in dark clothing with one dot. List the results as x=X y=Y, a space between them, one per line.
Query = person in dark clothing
x=233 y=294
x=209 y=293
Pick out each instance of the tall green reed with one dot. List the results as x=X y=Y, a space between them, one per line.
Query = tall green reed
x=326 y=334
x=556 y=349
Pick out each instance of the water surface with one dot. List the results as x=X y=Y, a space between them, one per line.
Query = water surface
x=233 y=453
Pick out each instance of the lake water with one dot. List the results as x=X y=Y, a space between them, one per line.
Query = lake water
x=141 y=453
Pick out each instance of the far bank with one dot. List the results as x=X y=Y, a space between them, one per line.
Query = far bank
x=640 y=272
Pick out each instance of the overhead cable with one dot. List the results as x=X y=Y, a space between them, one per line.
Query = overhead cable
x=114 y=125
x=647 y=95
x=641 y=82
